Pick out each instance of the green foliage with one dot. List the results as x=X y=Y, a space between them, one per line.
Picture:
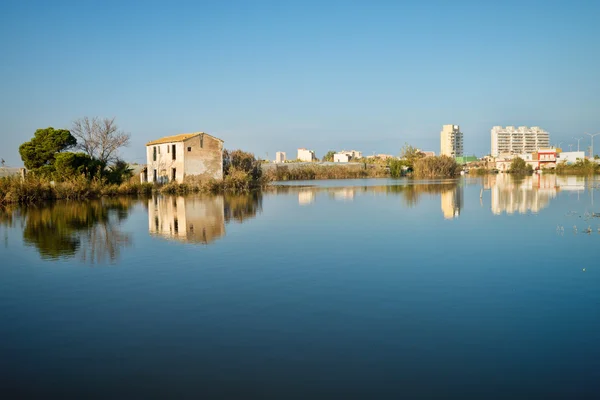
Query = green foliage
x=67 y=165
x=41 y=150
x=119 y=172
x=520 y=167
x=398 y=167
x=329 y=156
x=411 y=154
x=581 y=167
x=436 y=167
x=238 y=160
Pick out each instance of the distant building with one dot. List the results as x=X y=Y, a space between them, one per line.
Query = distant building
x=570 y=157
x=546 y=158
x=466 y=159
x=306 y=155
x=428 y=153
x=180 y=157
x=280 y=157
x=451 y=141
x=511 y=140
x=341 y=157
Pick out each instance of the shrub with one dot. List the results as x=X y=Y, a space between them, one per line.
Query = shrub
x=436 y=167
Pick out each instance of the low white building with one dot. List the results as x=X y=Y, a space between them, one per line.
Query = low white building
x=280 y=157
x=570 y=157
x=341 y=157
x=306 y=155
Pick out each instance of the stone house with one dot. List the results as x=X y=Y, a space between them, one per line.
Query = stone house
x=184 y=157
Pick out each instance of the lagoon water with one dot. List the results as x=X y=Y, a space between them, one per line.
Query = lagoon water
x=472 y=288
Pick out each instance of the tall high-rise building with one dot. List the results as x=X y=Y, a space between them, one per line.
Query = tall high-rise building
x=451 y=141
x=521 y=140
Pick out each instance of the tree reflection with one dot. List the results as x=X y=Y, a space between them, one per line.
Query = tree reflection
x=242 y=207
x=90 y=229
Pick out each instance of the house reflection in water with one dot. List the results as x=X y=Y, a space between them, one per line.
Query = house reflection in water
x=452 y=202
x=306 y=197
x=188 y=219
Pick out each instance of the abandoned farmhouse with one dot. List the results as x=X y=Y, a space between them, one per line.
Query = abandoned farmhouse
x=184 y=157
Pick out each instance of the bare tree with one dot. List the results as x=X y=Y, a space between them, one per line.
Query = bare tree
x=99 y=138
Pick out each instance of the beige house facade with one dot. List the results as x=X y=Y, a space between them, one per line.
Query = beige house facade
x=185 y=157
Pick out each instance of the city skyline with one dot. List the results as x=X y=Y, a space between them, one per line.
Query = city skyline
x=270 y=77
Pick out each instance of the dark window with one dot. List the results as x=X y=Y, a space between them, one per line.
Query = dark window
x=189 y=149
x=155 y=176
x=173 y=153
x=154 y=153
x=168 y=148
x=174 y=174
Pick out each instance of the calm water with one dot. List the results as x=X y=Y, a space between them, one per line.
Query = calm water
x=476 y=288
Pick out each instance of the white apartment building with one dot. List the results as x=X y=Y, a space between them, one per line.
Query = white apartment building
x=521 y=140
x=306 y=155
x=451 y=141
x=280 y=157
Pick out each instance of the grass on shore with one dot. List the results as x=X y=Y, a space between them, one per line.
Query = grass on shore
x=36 y=190
x=310 y=172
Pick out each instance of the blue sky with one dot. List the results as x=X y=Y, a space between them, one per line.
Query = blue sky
x=277 y=75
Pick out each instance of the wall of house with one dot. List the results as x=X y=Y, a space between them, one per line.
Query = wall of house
x=164 y=163
x=203 y=158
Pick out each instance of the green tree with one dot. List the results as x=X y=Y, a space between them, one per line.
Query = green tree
x=68 y=164
x=119 y=172
x=519 y=166
x=40 y=152
x=329 y=156
x=410 y=154
x=238 y=160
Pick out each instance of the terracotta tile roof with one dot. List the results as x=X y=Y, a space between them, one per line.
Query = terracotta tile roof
x=179 y=138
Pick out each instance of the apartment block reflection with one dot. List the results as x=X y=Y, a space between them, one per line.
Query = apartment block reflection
x=521 y=194
x=188 y=219
x=452 y=202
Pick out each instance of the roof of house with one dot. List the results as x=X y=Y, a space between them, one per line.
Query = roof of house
x=179 y=138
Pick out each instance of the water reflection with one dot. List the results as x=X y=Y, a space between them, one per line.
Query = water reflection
x=90 y=230
x=452 y=202
x=199 y=219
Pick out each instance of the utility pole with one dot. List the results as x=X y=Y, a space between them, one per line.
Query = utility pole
x=578 y=139
x=592 y=140
x=570 y=147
